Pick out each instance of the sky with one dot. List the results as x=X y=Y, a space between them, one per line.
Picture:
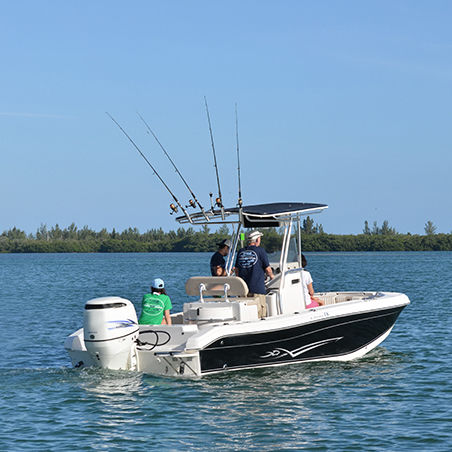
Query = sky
x=346 y=103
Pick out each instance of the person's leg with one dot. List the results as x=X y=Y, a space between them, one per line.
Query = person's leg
x=263 y=305
x=258 y=298
x=255 y=302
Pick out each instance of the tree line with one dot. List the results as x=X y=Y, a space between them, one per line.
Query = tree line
x=85 y=240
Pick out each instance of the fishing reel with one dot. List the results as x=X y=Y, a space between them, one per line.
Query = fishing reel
x=218 y=202
x=191 y=203
x=174 y=208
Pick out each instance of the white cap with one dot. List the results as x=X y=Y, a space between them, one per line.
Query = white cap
x=253 y=236
x=158 y=283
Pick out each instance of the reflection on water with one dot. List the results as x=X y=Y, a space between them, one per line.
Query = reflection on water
x=107 y=384
x=239 y=408
x=114 y=395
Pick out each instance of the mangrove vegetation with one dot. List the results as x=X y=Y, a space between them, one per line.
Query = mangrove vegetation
x=85 y=240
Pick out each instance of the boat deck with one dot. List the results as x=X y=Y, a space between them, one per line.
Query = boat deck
x=330 y=298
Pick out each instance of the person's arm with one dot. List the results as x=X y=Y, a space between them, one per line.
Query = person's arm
x=269 y=272
x=220 y=271
x=166 y=318
x=266 y=264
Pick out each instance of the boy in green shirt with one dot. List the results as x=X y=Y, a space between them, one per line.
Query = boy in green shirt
x=155 y=306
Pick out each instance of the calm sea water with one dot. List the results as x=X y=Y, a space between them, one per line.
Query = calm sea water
x=398 y=398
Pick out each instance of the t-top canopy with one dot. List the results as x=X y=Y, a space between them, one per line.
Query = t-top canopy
x=263 y=215
x=272 y=214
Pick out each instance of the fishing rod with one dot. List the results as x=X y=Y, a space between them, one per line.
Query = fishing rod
x=172 y=206
x=219 y=200
x=238 y=155
x=192 y=202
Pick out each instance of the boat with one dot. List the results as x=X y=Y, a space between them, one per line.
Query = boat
x=219 y=329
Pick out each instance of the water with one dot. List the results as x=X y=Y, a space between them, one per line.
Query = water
x=397 y=398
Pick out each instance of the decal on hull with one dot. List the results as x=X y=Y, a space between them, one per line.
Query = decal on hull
x=282 y=352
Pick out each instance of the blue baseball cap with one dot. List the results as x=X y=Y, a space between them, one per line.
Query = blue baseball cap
x=158 y=283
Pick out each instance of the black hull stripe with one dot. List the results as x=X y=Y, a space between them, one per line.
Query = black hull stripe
x=289 y=361
x=305 y=342
x=297 y=336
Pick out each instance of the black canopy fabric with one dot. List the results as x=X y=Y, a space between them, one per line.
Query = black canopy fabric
x=270 y=215
x=262 y=215
x=280 y=208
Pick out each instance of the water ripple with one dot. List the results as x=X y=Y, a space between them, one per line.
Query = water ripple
x=396 y=398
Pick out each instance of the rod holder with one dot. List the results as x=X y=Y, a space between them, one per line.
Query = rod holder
x=202 y=288
x=226 y=288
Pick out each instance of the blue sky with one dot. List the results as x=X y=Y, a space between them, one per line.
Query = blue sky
x=346 y=103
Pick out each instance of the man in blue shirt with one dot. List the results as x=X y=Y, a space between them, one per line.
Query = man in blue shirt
x=252 y=265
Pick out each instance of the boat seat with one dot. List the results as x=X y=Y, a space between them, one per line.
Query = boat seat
x=219 y=310
x=232 y=286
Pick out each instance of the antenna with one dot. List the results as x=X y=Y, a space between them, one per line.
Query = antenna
x=172 y=206
x=191 y=202
x=238 y=155
x=219 y=200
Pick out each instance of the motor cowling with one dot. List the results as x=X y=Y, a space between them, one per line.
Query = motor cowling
x=110 y=329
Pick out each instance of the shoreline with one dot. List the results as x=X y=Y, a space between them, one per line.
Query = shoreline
x=202 y=242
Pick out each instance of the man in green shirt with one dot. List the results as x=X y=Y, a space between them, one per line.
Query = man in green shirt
x=155 y=306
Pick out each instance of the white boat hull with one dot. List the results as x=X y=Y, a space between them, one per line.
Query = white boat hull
x=347 y=327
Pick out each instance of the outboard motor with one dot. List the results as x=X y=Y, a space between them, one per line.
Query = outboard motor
x=110 y=329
